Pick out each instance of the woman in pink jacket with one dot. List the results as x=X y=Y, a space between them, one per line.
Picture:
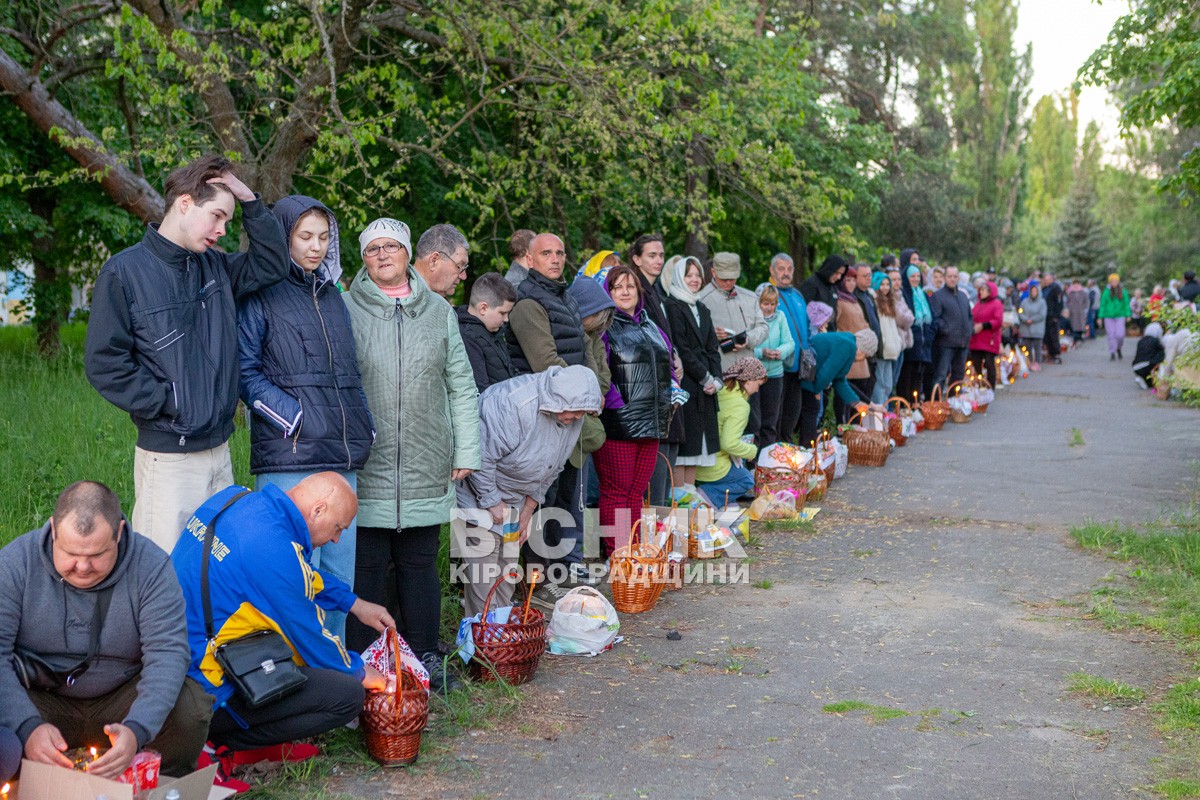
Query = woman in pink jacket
x=988 y=315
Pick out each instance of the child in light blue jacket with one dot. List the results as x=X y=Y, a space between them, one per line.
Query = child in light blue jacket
x=775 y=351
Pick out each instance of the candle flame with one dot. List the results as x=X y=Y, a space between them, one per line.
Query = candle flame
x=4 y=789
x=93 y=752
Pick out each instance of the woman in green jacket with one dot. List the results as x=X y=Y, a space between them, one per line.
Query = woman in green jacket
x=421 y=391
x=725 y=482
x=1114 y=310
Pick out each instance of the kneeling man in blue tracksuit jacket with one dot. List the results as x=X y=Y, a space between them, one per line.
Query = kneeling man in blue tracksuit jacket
x=260 y=578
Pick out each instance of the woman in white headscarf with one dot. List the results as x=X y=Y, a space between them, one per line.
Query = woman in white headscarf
x=696 y=341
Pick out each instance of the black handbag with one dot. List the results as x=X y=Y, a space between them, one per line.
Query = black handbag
x=807 y=364
x=259 y=664
x=36 y=671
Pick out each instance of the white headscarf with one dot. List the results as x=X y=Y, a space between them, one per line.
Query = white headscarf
x=678 y=289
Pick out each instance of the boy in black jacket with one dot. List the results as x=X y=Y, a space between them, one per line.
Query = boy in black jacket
x=480 y=323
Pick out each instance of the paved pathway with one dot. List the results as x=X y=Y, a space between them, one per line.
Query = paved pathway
x=944 y=585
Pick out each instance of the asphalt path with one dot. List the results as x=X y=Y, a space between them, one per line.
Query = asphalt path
x=942 y=590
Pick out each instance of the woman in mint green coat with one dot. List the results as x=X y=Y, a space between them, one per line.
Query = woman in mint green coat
x=421 y=392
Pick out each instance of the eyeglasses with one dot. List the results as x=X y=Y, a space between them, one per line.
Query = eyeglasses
x=461 y=267
x=389 y=248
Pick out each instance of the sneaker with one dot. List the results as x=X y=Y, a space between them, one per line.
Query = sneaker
x=580 y=575
x=547 y=594
x=1035 y=367
x=441 y=674
x=1112 y=356
x=1119 y=356
x=288 y=751
x=1141 y=381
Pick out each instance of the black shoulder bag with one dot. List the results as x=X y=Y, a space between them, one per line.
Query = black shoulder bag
x=49 y=673
x=259 y=664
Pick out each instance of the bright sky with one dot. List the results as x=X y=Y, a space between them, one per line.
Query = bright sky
x=1064 y=33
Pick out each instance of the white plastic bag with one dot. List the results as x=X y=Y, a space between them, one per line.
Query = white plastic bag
x=908 y=426
x=843 y=458
x=584 y=623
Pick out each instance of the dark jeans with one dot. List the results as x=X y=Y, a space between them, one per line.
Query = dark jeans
x=810 y=417
x=82 y=722
x=660 y=482
x=414 y=552
x=755 y=421
x=770 y=399
x=10 y=754
x=790 y=406
x=563 y=494
x=952 y=362
x=912 y=376
x=327 y=700
x=1051 y=338
x=987 y=364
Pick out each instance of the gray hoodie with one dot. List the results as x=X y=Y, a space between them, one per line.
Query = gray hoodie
x=144 y=632
x=522 y=443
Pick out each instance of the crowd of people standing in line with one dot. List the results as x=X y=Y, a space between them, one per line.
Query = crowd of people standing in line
x=377 y=411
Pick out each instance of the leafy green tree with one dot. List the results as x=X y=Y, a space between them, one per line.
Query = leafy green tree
x=1153 y=53
x=1080 y=243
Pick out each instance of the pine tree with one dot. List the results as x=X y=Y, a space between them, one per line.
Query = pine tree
x=1080 y=244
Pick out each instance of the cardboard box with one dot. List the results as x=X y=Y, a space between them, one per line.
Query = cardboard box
x=47 y=782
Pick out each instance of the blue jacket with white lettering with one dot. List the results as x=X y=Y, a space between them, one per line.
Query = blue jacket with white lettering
x=259 y=579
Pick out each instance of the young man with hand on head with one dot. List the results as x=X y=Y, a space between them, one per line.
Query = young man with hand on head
x=162 y=339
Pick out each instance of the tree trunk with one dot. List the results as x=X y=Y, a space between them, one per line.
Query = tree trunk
x=51 y=291
x=799 y=251
x=696 y=243
x=128 y=190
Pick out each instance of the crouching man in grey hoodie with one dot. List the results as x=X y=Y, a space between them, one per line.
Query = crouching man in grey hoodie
x=528 y=427
x=93 y=645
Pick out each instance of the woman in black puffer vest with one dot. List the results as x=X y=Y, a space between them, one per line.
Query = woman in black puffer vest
x=637 y=410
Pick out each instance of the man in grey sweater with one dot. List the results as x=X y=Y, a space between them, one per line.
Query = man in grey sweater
x=94 y=616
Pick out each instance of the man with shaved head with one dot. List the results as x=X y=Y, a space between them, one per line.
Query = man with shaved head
x=260 y=578
x=548 y=332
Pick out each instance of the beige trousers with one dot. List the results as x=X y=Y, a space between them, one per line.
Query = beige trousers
x=485 y=557
x=168 y=487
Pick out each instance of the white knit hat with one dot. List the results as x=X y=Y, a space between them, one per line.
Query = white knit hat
x=385 y=227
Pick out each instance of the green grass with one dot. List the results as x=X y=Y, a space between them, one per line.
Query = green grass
x=1110 y=691
x=763 y=584
x=1163 y=563
x=1076 y=439
x=802 y=525
x=875 y=713
x=1178 y=790
x=57 y=430
x=1161 y=560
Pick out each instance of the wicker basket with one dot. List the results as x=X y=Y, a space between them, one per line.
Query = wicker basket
x=935 y=410
x=957 y=416
x=829 y=471
x=508 y=651
x=816 y=490
x=392 y=721
x=896 y=426
x=637 y=573
x=867 y=448
x=694 y=549
x=772 y=479
x=981 y=382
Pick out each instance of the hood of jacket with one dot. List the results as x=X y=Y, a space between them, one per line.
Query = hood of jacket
x=572 y=388
x=590 y=297
x=367 y=294
x=288 y=211
x=830 y=266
